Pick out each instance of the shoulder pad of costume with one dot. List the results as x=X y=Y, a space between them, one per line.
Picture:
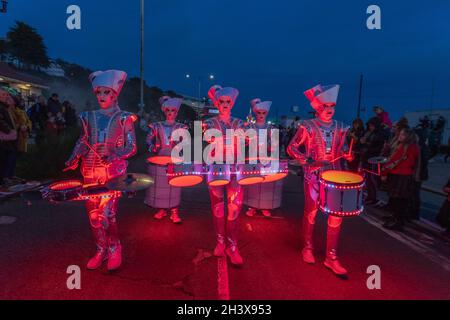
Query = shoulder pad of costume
x=306 y=124
x=125 y=115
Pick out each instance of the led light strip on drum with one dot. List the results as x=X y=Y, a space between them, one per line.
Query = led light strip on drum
x=342 y=214
x=333 y=186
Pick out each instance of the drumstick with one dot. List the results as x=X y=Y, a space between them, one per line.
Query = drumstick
x=67 y=169
x=92 y=149
x=351 y=147
x=347 y=154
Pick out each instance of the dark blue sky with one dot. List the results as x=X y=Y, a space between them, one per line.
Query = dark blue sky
x=268 y=49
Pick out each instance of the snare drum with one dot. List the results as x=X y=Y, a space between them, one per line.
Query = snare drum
x=248 y=174
x=64 y=190
x=219 y=175
x=185 y=175
x=276 y=174
x=341 y=193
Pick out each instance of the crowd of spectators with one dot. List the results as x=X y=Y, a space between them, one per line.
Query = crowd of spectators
x=17 y=125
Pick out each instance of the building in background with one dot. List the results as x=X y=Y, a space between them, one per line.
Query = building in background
x=29 y=86
x=414 y=118
x=54 y=70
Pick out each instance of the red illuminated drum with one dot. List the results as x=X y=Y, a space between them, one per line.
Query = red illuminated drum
x=219 y=175
x=272 y=173
x=185 y=175
x=248 y=174
x=341 y=193
x=64 y=190
x=163 y=160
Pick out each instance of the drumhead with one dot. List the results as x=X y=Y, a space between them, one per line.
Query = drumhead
x=342 y=177
x=186 y=181
x=218 y=183
x=250 y=180
x=275 y=177
x=163 y=160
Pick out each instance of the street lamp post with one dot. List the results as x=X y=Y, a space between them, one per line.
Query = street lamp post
x=141 y=103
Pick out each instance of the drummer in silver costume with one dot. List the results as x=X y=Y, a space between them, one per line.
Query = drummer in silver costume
x=324 y=139
x=226 y=226
x=107 y=139
x=263 y=196
x=162 y=195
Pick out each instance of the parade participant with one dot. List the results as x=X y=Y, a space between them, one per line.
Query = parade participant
x=263 y=196
x=226 y=225
x=399 y=172
x=162 y=195
x=107 y=139
x=324 y=139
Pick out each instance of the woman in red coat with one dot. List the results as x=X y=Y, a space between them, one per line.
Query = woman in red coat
x=399 y=172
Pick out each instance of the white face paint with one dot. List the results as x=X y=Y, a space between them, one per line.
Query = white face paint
x=225 y=104
x=106 y=97
x=170 y=113
x=325 y=112
x=261 y=116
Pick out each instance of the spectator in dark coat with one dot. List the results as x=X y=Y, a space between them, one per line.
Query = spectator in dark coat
x=38 y=114
x=443 y=217
x=422 y=169
x=355 y=134
x=371 y=146
x=70 y=115
x=53 y=105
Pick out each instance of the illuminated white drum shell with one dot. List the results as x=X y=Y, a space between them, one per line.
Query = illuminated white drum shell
x=341 y=193
x=219 y=175
x=161 y=194
x=265 y=196
x=185 y=175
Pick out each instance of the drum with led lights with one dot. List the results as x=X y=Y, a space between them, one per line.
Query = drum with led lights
x=341 y=193
x=275 y=171
x=185 y=175
x=66 y=190
x=248 y=174
x=218 y=175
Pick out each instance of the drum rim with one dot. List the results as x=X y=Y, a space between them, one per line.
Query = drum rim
x=250 y=177
x=354 y=213
x=284 y=175
x=160 y=164
x=219 y=180
x=185 y=176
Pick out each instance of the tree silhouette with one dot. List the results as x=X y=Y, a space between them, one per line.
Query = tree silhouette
x=25 y=44
x=3 y=49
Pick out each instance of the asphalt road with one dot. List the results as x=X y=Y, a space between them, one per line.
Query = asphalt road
x=167 y=261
